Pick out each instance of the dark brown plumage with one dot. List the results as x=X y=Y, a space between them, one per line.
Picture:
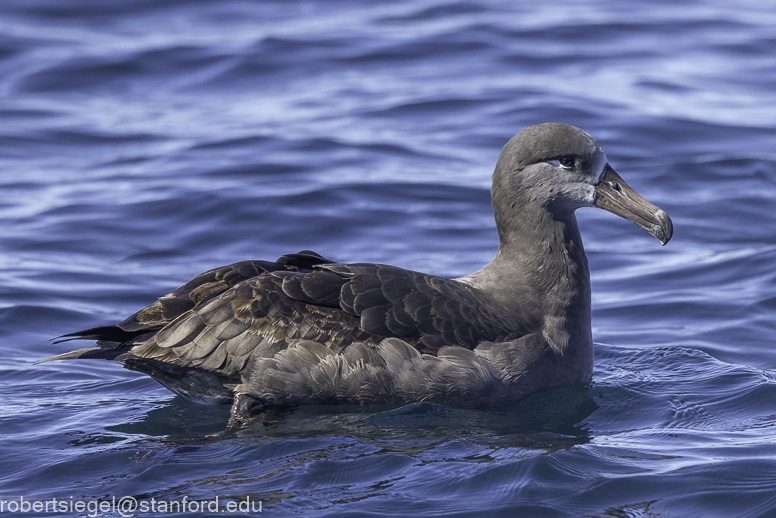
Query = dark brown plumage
x=304 y=329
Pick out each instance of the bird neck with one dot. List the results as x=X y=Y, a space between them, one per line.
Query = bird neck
x=540 y=270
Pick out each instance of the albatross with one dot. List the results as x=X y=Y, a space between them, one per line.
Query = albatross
x=307 y=330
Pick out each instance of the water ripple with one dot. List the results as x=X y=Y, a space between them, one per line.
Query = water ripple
x=145 y=142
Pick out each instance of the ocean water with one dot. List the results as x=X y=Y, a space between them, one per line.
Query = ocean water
x=143 y=142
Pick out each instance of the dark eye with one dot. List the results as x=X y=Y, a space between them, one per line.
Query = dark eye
x=566 y=162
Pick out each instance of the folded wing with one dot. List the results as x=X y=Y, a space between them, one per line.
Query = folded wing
x=227 y=317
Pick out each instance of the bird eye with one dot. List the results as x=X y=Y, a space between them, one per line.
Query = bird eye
x=566 y=162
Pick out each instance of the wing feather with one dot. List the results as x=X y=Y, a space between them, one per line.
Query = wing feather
x=274 y=320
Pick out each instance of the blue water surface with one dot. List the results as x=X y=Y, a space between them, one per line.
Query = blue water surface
x=143 y=142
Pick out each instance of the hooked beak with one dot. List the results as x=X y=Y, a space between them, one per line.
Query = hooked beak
x=616 y=196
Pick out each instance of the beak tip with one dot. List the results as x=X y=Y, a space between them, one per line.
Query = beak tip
x=664 y=230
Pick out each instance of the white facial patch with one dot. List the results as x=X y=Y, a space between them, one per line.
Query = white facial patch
x=599 y=167
x=583 y=187
x=589 y=197
x=598 y=170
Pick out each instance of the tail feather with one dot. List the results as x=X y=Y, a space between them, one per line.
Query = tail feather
x=112 y=341
x=109 y=337
x=85 y=353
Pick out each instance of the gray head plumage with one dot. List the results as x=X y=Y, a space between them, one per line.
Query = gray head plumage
x=562 y=168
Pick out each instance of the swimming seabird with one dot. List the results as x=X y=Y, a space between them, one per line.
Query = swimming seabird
x=305 y=330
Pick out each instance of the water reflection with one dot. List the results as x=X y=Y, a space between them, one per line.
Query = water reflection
x=547 y=421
